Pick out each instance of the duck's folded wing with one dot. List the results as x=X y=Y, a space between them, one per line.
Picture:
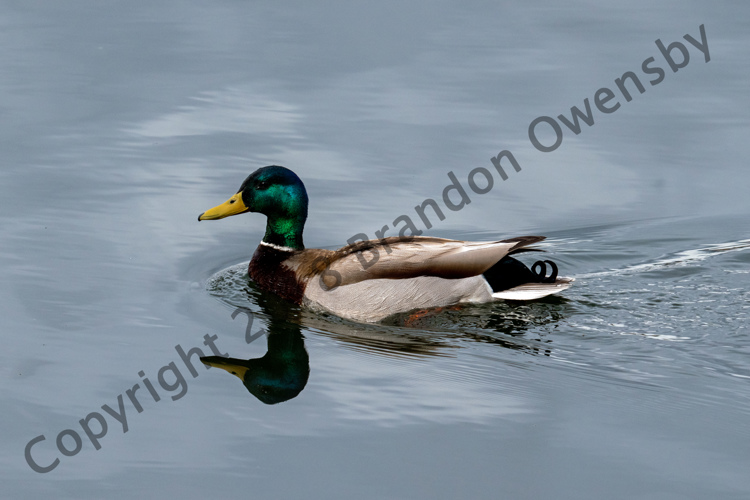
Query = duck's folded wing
x=403 y=258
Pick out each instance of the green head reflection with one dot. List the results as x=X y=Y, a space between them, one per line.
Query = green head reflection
x=278 y=376
x=282 y=372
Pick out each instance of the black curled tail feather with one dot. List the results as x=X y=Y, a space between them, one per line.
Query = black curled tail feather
x=509 y=273
x=542 y=273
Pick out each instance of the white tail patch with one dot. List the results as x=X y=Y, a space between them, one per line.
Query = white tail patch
x=533 y=291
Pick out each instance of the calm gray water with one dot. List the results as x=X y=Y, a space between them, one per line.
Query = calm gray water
x=121 y=123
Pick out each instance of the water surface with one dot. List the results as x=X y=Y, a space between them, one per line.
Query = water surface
x=122 y=124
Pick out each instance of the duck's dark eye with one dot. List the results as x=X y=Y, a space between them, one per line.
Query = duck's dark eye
x=262 y=185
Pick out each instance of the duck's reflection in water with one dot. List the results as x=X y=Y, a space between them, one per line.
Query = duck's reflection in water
x=440 y=332
x=282 y=372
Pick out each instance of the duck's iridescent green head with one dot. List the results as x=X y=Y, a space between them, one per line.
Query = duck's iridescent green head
x=276 y=192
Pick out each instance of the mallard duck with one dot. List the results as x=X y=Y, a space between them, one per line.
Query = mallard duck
x=410 y=273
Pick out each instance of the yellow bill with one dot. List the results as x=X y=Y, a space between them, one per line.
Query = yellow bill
x=232 y=206
x=228 y=364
